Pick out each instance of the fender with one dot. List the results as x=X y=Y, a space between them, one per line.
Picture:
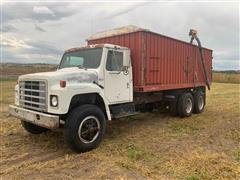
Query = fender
x=66 y=95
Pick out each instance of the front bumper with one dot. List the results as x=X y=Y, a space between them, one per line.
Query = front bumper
x=34 y=117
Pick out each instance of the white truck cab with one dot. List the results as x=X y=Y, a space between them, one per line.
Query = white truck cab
x=87 y=82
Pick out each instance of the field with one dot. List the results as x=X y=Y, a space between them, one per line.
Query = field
x=12 y=71
x=233 y=77
x=148 y=146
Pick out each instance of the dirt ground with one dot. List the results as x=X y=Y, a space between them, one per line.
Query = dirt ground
x=147 y=146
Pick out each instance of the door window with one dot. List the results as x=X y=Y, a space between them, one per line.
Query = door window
x=114 y=61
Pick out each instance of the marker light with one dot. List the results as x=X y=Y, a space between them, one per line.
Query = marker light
x=62 y=83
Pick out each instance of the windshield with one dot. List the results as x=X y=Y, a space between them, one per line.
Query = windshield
x=84 y=58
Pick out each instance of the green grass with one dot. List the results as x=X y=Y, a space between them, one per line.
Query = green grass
x=185 y=127
x=8 y=79
x=193 y=177
x=135 y=153
x=237 y=155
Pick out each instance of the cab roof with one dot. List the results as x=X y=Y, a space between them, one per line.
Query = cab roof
x=111 y=46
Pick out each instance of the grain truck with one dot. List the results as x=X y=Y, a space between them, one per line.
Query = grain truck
x=120 y=72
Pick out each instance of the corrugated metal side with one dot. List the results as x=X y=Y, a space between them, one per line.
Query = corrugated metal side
x=161 y=63
x=170 y=62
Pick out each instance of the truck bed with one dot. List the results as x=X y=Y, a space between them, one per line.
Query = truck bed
x=159 y=62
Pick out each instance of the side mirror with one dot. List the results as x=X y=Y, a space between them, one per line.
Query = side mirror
x=126 y=58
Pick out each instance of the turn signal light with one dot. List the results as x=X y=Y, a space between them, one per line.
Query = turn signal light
x=62 y=84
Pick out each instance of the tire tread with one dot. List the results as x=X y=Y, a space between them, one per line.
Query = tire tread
x=72 y=123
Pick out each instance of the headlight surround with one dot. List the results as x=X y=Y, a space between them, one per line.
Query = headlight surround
x=54 y=100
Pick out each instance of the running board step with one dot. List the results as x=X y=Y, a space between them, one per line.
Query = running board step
x=126 y=115
x=123 y=110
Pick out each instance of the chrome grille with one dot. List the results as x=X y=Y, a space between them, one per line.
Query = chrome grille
x=32 y=95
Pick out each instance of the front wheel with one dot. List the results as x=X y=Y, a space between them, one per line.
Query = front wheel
x=85 y=128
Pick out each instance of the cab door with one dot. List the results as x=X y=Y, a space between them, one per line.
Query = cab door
x=117 y=84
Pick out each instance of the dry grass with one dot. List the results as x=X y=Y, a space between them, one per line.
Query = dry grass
x=155 y=146
x=12 y=71
x=226 y=77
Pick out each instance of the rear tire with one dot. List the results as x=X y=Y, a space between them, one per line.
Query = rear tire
x=199 y=102
x=32 y=128
x=185 y=105
x=84 y=128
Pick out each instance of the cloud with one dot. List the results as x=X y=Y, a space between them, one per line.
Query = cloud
x=226 y=64
x=123 y=9
x=227 y=54
x=39 y=28
x=36 y=11
x=43 y=10
x=14 y=43
x=8 y=28
x=28 y=51
x=9 y=56
x=40 y=47
x=69 y=24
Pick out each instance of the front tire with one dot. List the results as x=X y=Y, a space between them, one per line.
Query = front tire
x=185 y=105
x=85 y=128
x=32 y=128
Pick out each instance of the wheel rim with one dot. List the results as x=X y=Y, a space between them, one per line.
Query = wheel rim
x=189 y=105
x=200 y=102
x=89 y=129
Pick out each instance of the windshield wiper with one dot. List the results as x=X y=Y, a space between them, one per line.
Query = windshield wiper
x=81 y=67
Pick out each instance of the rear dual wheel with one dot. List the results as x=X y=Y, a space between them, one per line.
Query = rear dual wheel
x=199 y=102
x=188 y=104
x=185 y=105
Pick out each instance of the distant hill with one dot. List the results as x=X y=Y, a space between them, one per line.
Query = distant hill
x=13 y=70
x=27 y=64
x=227 y=71
x=10 y=71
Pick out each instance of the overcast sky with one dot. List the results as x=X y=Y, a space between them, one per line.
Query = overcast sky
x=40 y=32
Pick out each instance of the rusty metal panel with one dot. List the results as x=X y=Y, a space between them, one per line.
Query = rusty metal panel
x=160 y=62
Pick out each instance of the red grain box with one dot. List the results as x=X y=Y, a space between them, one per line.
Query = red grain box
x=159 y=62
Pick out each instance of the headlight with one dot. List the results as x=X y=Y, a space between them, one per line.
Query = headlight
x=54 y=100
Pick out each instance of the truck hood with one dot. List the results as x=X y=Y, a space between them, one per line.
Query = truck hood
x=71 y=75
